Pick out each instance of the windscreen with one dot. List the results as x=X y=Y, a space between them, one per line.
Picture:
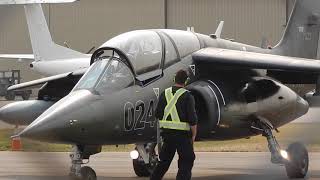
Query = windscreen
x=116 y=77
x=106 y=76
x=89 y=80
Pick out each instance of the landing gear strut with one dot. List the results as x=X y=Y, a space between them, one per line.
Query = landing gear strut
x=78 y=155
x=146 y=162
x=295 y=158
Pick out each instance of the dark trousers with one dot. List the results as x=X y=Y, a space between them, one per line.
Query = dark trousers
x=172 y=143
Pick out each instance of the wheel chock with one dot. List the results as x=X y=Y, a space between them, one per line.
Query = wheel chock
x=16 y=144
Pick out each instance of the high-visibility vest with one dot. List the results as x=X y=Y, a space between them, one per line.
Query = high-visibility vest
x=175 y=122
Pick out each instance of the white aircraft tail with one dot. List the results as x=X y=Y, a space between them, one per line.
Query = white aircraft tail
x=42 y=44
x=44 y=49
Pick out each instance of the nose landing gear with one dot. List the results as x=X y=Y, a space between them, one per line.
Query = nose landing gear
x=298 y=163
x=146 y=162
x=295 y=158
x=78 y=154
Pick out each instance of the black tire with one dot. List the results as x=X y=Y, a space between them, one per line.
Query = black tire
x=10 y=96
x=298 y=162
x=140 y=168
x=87 y=173
x=25 y=96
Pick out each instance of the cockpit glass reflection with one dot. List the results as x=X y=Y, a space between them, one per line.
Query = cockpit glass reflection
x=116 y=77
x=143 y=48
x=90 y=78
x=106 y=76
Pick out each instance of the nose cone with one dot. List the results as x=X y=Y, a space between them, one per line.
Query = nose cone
x=302 y=106
x=23 y=112
x=55 y=124
x=8 y=112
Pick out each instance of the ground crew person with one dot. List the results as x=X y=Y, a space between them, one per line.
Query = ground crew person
x=178 y=123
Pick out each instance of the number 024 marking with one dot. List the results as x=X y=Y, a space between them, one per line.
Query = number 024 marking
x=136 y=117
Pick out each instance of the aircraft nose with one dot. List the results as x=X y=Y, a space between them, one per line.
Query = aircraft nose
x=55 y=124
x=41 y=131
x=302 y=106
x=7 y=115
x=23 y=112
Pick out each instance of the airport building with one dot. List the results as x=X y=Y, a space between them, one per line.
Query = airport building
x=89 y=23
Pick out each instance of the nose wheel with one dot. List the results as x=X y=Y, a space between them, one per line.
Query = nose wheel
x=298 y=161
x=77 y=159
x=87 y=173
x=295 y=158
x=147 y=160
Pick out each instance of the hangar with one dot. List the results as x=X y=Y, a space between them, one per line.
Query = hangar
x=89 y=23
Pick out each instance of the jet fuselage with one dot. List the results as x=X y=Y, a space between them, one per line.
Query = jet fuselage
x=228 y=101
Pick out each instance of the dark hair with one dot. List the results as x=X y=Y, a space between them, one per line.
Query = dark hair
x=181 y=77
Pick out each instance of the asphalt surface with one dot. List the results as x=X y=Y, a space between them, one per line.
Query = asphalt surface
x=116 y=166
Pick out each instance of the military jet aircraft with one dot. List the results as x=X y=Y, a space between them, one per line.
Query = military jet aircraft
x=239 y=92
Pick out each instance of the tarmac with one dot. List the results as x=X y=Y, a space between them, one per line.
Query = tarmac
x=118 y=166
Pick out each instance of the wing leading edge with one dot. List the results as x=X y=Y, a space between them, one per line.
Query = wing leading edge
x=251 y=60
x=17 y=56
x=47 y=79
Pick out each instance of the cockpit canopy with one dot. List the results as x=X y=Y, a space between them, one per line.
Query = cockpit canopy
x=143 y=48
x=137 y=56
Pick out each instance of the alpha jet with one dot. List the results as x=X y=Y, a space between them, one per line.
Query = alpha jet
x=239 y=92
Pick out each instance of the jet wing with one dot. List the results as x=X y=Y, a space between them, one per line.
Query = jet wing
x=251 y=60
x=17 y=56
x=37 y=82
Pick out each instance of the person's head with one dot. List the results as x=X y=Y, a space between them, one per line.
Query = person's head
x=181 y=77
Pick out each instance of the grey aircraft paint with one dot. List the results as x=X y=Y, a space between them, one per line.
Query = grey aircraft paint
x=28 y=111
x=239 y=99
x=237 y=87
x=228 y=92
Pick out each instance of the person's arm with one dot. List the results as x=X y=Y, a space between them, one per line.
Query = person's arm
x=159 y=115
x=160 y=107
x=194 y=132
x=192 y=116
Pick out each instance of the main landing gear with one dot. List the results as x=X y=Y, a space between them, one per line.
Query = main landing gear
x=144 y=159
x=295 y=158
x=78 y=155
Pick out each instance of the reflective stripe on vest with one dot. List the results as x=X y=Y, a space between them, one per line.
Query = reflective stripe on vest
x=171 y=109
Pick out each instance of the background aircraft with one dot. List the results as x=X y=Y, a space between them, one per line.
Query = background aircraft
x=48 y=58
x=239 y=91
